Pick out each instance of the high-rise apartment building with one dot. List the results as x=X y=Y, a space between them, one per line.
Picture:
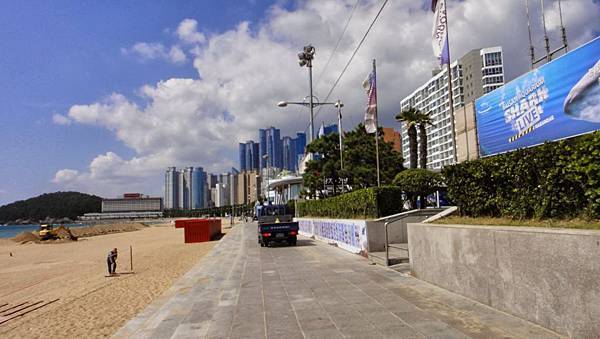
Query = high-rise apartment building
x=197 y=191
x=283 y=153
x=248 y=156
x=242 y=155
x=300 y=146
x=476 y=73
x=327 y=129
x=233 y=186
x=186 y=188
x=271 y=145
x=171 y=188
x=290 y=157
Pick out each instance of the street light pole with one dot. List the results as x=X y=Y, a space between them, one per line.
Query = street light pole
x=312 y=104
x=339 y=106
x=305 y=59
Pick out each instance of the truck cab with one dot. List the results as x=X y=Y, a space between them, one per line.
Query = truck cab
x=276 y=225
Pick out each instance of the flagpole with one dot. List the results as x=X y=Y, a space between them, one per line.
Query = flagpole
x=450 y=94
x=376 y=126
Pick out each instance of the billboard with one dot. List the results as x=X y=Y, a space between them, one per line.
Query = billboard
x=558 y=100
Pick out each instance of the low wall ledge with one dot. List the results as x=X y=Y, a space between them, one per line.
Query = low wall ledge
x=523 y=229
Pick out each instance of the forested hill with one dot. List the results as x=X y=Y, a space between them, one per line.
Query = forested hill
x=53 y=205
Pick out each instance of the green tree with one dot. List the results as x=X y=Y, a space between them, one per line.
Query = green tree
x=325 y=164
x=417 y=182
x=360 y=162
x=53 y=205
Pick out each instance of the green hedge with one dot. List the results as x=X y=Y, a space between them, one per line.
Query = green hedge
x=365 y=203
x=553 y=180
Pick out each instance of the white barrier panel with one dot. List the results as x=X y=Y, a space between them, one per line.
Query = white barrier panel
x=348 y=234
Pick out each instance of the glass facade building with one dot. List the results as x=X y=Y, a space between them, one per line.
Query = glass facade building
x=186 y=188
x=290 y=157
x=248 y=156
x=270 y=144
x=326 y=130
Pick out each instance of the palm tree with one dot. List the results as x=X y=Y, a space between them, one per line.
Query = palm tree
x=410 y=116
x=423 y=120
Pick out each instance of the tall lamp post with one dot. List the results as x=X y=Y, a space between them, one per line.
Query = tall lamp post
x=305 y=59
x=338 y=104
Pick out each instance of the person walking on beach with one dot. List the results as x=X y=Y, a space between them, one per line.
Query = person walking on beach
x=111 y=260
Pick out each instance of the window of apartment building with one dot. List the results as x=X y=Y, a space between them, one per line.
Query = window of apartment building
x=493 y=59
x=491 y=71
x=493 y=80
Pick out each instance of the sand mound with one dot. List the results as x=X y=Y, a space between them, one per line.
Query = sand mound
x=25 y=237
x=64 y=233
x=106 y=229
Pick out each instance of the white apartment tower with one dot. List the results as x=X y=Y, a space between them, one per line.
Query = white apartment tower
x=185 y=189
x=476 y=73
x=171 y=188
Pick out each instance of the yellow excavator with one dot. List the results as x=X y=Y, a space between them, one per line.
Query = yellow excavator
x=46 y=232
x=49 y=232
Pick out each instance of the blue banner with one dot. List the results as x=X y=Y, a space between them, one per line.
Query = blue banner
x=556 y=101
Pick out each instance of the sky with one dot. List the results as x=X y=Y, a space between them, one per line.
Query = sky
x=101 y=96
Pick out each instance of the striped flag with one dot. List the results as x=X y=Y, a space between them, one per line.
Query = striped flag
x=440 y=31
x=370 y=85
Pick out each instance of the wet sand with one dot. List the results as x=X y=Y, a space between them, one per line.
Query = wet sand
x=91 y=305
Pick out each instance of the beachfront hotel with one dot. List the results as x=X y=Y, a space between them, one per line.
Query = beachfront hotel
x=478 y=72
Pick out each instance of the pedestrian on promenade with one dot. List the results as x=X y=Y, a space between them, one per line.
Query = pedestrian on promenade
x=111 y=260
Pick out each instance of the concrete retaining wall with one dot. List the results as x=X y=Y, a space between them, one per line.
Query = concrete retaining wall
x=550 y=277
x=397 y=231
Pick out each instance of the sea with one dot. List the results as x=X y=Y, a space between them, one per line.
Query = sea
x=12 y=230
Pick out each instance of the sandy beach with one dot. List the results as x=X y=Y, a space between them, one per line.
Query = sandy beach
x=90 y=305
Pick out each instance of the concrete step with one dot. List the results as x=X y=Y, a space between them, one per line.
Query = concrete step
x=397 y=255
x=403 y=246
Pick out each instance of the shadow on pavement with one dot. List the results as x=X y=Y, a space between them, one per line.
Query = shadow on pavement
x=299 y=243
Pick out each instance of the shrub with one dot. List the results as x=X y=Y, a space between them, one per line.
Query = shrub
x=418 y=182
x=365 y=203
x=554 y=180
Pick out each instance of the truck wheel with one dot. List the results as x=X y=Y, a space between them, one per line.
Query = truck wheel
x=262 y=244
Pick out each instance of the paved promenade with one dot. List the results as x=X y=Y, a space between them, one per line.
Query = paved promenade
x=314 y=290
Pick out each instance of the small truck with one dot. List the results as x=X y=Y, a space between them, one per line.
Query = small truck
x=275 y=225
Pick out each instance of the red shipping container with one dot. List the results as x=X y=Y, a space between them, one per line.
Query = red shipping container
x=200 y=230
x=182 y=222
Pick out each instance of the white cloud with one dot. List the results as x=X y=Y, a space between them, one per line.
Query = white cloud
x=245 y=71
x=176 y=55
x=60 y=119
x=65 y=176
x=146 y=51
x=187 y=31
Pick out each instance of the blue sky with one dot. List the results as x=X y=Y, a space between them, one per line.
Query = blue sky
x=60 y=53
x=101 y=96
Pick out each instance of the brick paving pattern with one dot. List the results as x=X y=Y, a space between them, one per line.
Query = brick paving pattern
x=313 y=290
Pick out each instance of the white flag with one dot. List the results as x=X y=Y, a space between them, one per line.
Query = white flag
x=440 y=31
x=370 y=85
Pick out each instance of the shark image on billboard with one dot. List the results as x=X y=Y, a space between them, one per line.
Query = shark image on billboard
x=555 y=101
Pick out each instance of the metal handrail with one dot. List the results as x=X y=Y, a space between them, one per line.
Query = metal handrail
x=388 y=220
